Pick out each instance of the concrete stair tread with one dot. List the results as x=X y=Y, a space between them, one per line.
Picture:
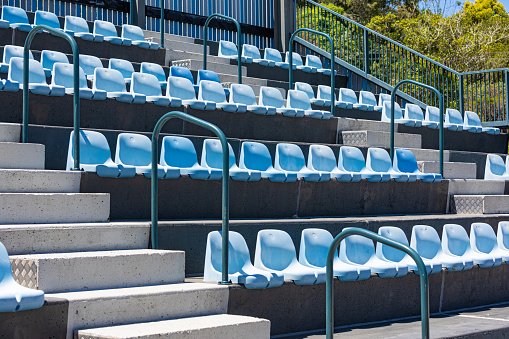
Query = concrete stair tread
x=213 y=66
x=476 y=187
x=9 y=132
x=21 y=155
x=370 y=138
x=38 y=181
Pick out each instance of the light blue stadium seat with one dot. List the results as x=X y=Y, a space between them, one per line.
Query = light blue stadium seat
x=228 y=49
x=275 y=252
x=148 y=85
x=454 y=120
x=11 y=51
x=183 y=72
x=382 y=97
x=351 y=161
x=349 y=96
x=78 y=27
x=112 y=81
x=323 y=93
x=495 y=168
x=321 y=158
x=14 y=297
x=182 y=89
x=472 y=120
x=89 y=63
x=7 y=85
x=240 y=268
x=212 y=157
x=4 y=24
x=179 y=152
x=36 y=78
x=135 y=34
x=484 y=245
x=46 y=18
x=314 y=61
x=49 y=58
x=306 y=88
x=123 y=66
x=272 y=54
x=379 y=161
x=503 y=238
x=426 y=242
x=243 y=94
x=314 y=245
x=256 y=156
x=398 y=115
x=95 y=156
x=300 y=101
x=414 y=112
x=157 y=71
x=272 y=97
x=433 y=116
x=368 y=99
x=109 y=32
x=405 y=162
x=250 y=51
x=289 y=158
x=204 y=74
x=213 y=94
x=63 y=75
x=17 y=18
x=359 y=250
x=135 y=150
x=297 y=61
x=456 y=245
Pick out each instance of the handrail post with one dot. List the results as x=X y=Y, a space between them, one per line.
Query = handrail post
x=506 y=78
x=154 y=198
x=162 y=22
x=76 y=87
x=460 y=88
x=332 y=54
x=329 y=283
x=239 y=42
x=366 y=52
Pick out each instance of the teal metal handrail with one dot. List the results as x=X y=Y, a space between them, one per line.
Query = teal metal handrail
x=441 y=108
x=225 y=184
x=329 y=324
x=162 y=22
x=76 y=94
x=332 y=54
x=239 y=41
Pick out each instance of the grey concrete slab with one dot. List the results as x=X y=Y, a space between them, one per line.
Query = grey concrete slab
x=213 y=66
x=21 y=156
x=476 y=187
x=477 y=204
x=10 y=132
x=452 y=170
x=38 y=181
x=379 y=139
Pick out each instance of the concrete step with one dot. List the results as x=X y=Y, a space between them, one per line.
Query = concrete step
x=39 y=181
x=212 y=326
x=218 y=68
x=428 y=154
x=379 y=139
x=61 y=272
x=169 y=37
x=58 y=238
x=479 y=204
x=350 y=124
x=10 y=132
x=21 y=156
x=452 y=170
x=28 y=208
x=195 y=52
x=182 y=46
x=110 y=307
x=476 y=187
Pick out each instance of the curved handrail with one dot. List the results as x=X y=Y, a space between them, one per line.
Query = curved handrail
x=225 y=185
x=239 y=41
x=441 y=107
x=76 y=95
x=332 y=62
x=329 y=324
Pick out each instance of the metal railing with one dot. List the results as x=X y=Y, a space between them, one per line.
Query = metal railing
x=239 y=41
x=225 y=183
x=329 y=287
x=76 y=87
x=331 y=54
x=441 y=126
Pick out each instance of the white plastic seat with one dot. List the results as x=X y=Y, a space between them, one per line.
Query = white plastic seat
x=349 y=96
x=156 y=70
x=11 y=51
x=484 y=245
x=322 y=159
x=89 y=63
x=240 y=268
x=314 y=245
x=289 y=158
x=252 y=52
x=383 y=97
x=78 y=27
x=213 y=93
x=17 y=18
x=297 y=61
x=414 y=112
x=503 y=238
x=148 y=85
x=495 y=168
x=379 y=161
x=272 y=54
x=112 y=81
x=272 y=97
x=124 y=67
x=454 y=120
x=398 y=115
x=456 y=245
x=63 y=75
x=109 y=32
x=36 y=78
x=323 y=93
x=471 y=120
x=183 y=89
x=426 y=242
x=405 y=162
x=275 y=252
x=300 y=101
x=314 y=61
x=243 y=94
x=49 y=58
x=351 y=161
x=135 y=34
x=368 y=99
x=228 y=49
x=306 y=88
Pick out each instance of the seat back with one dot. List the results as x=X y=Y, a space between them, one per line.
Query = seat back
x=256 y=156
x=133 y=149
x=211 y=91
x=242 y=94
x=306 y=88
x=181 y=72
x=250 y=51
x=455 y=239
x=227 y=49
x=356 y=249
x=313 y=61
x=63 y=75
x=472 y=119
x=11 y=51
x=405 y=161
x=347 y=95
x=94 y=148
x=495 y=165
x=298 y=99
x=270 y=96
x=272 y=54
x=105 y=28
x=503 y=235
x=132 y=32
x=14 y=15
x=76 y=24
x=314 y=246
x=386 y=111
x=207 y=75
x=238 y=252
x=180 y=88
x=425 y=241
x=212 y=154
x=146 y=84
x=89 y=63
x=297 y=60
x=46 y=18
x=367 y=98
x=453 y=116
x=321 y=158
x=275 y=249
x=109 y=80
x=378 y=160
x=5 y=266
x=154 y=69
x=382 y=97
x=482 y=237
x=289 y=157
x=413 y=112
x=388 y=252
x=49 y=58
x=35 y=71
x=178 y=152
x=123 y=66
x=351 y=159
x=323 y=92
x=432 y=114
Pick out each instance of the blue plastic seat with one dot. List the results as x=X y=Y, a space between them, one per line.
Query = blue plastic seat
x=351 y=161
x=272 y=97
x=495 y=168
x=36 y=78
x=228 y=49
x=314 y=61
x=306 y=88
x=433 y=116
x=212 y=93
x=297 y=61
x=383 y=97
x=182 y=89
x=289 y=158
x=112 y=81
x=109 y=32
x=49 y=58
x=405 y=162
x=157 y=71
x=124 y=67
x=321 y=158
x=11 y=51
x=299 y=100
x=95 y=156
x=46 y=18
x=379 y=161
x=368 y=99
x=135 y=34
x=14 y=297
x=471 y=120
x=256 y=156
x=183 y=72
x=63 y=75
x=250 y=51
x=4 y=24
x=240 y=268
x=456 y=245
x=204 y=74
x=272 y=54
x=454 y=121
x=414 y=112
x=349 y=96
x=426 y=242
x=398 y=115
x=314 y=245
x=17 y=18
x=243 y=94
x=503 y=238
x=89 y=63
x=323 y=93
x=212 y=157
x=135 y=151
x=148 y=85
x=275 y=252
x=484 y=245
x=78 y=27
x=179 y=152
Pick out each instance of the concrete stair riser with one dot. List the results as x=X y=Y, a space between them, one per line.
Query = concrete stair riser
x=21 y=156
x=39 y=181
x=476 y=187
x=378 y=139
x=480 y=204
x=10 y=132
x=452 y=170
x=216 y=67
x=428 y=154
